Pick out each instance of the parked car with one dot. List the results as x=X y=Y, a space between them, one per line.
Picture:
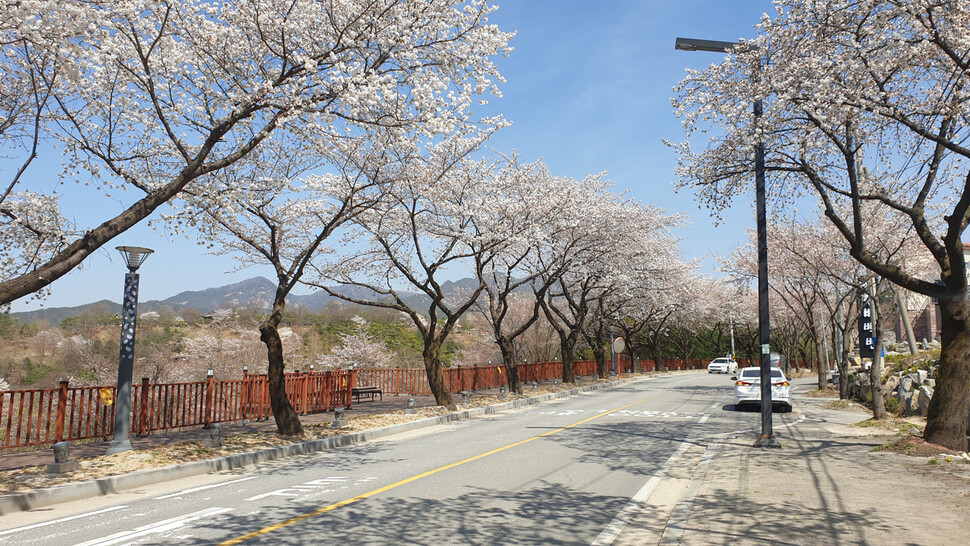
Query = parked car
x=722 y=364
x=747 y=388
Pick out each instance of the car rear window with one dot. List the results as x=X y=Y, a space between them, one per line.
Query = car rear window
x=755 y=372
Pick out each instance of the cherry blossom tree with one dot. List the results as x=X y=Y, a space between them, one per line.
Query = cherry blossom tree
x=530 y=207
x=612 y=246
x=425 y=228
x=267 y=215
x=847 y=82
x=153 y=97
x=358 y=348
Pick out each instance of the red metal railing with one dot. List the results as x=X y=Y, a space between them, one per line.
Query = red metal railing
x=44 y=416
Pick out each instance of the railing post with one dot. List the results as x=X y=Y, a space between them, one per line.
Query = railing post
x=351 y=383
x=208 y=401
x=61 y=412
x=143 y=408
x=329 y=391
x=303 y=392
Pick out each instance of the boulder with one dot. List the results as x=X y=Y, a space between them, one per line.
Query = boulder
x=907 y=382
x=925 y=393
x=912 y=408
x=892 y=382
x=905 y=403
x=923 y=376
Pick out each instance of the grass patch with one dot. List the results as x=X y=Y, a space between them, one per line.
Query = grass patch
x=900 y=427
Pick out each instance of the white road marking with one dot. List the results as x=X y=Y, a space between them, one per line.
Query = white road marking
x=703 y=419
x=154 y=528
x=315 y=486
x=61 y=520
x=625 y=413
x=678 y=516
x=202 y=488
x=615 y=527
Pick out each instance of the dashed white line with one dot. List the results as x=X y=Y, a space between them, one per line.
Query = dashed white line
x=202 y=488
x=157 y=527
x=61 y=520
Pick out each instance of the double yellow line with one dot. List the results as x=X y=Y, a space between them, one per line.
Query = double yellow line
x=362 y=496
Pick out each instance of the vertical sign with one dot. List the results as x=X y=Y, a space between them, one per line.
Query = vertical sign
x=867 y=342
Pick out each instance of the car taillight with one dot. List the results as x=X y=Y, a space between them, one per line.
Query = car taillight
x=744 y=384
x=782 y=384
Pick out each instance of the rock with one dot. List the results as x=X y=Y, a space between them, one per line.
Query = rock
x=923 y=376
x=925 y=393
x=892 y=382
x=905 y=403
x=907 y=382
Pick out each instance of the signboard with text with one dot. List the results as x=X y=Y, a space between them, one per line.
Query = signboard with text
x=867 y=340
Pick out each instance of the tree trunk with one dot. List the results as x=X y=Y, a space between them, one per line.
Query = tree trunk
x=635 y=361
x=436 y=379
x=287 y=421
x=822 y=369
x=875 y=381
x=511 y=371
x=658 y=361
x=566 y=347
x=946 y=420
x=599 y=354
x=843 y=365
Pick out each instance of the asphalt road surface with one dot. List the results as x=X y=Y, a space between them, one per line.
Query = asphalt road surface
x=570 y=471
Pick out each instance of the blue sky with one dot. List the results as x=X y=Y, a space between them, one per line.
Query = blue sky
x=588 y=90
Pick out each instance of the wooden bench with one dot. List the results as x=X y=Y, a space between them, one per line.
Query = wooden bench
x=357 y=392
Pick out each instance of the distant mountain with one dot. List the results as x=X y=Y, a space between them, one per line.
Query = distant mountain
x=56 y=315
x=257 y=292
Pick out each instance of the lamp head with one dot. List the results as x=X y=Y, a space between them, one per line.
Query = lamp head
x=693 y=44
x=134 y=256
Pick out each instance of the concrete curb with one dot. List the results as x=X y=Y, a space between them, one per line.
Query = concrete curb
x=39 y=498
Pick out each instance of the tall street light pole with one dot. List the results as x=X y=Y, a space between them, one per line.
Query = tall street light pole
x=134 y=256
x=767 y=438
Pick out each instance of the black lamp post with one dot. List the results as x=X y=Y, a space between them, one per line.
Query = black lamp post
x=134 y=256
x=767 y=438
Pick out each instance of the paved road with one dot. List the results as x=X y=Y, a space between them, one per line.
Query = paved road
x=571 y=471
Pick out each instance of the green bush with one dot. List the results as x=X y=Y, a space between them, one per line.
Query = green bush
x=35 y=373
x=892 y=404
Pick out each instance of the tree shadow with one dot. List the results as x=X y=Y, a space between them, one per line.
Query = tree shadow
x=546 y=513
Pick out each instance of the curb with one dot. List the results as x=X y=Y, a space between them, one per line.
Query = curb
x=39 y=498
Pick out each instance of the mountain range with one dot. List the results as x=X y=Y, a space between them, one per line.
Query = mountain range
x=255 y=292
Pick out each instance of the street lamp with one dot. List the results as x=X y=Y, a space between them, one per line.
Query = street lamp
x=134 y=256
x=767 y=438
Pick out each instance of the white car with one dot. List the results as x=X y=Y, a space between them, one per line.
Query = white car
x=747 y=388
x=722 y=365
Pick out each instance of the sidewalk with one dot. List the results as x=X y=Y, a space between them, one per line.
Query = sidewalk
x=825 y=485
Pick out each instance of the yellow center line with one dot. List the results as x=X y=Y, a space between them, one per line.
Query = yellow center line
x=362 y=496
